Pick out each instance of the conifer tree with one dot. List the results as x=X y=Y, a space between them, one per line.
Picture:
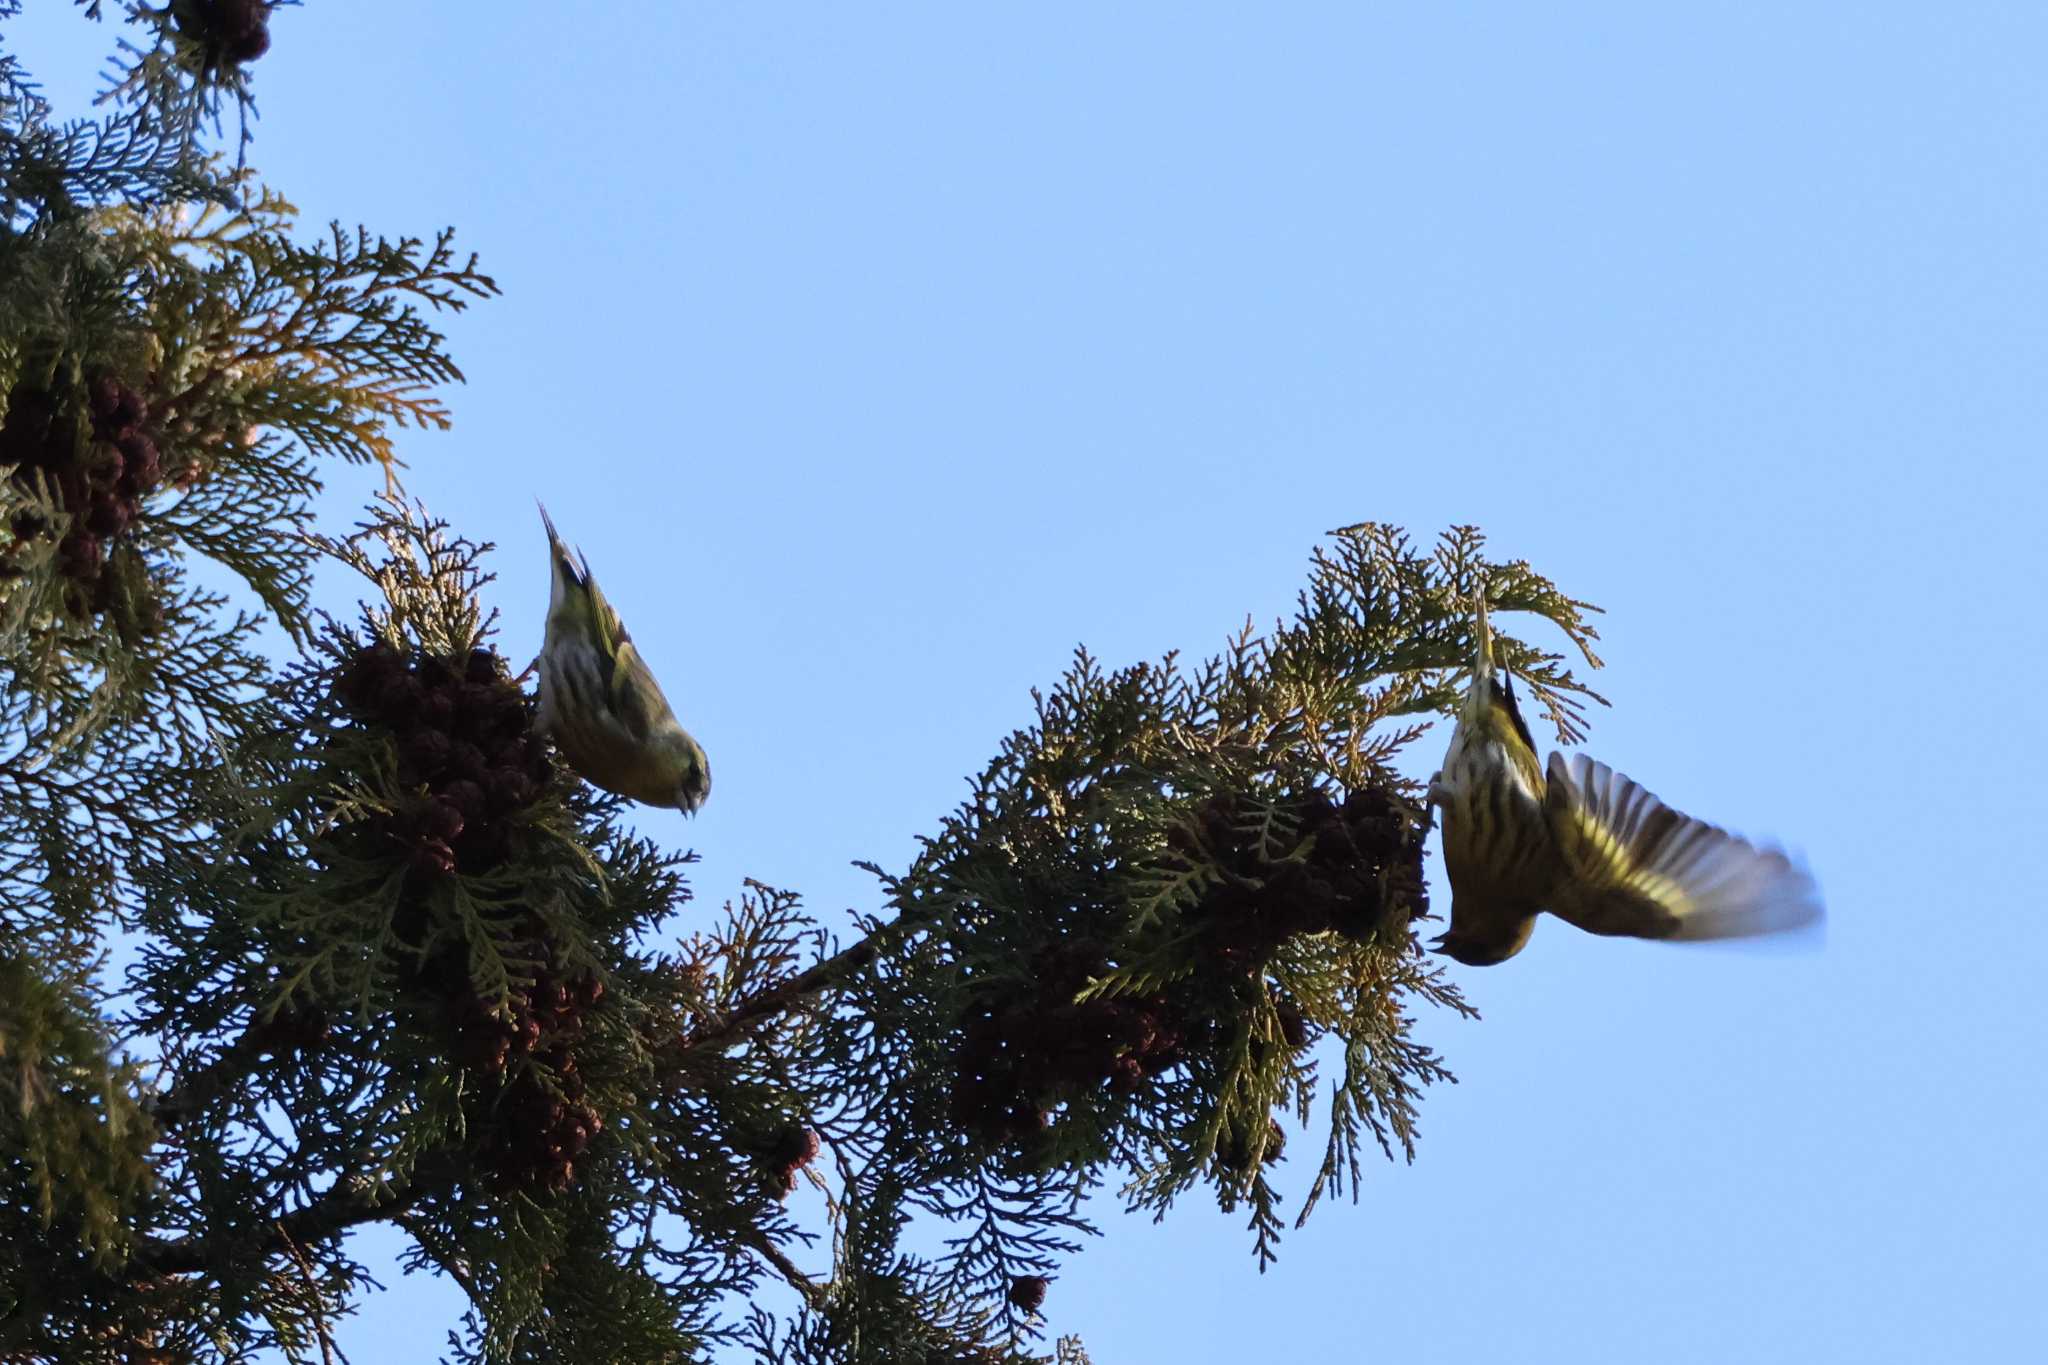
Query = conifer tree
x=396 y=964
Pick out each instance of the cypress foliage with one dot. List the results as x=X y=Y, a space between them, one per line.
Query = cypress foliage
x=394 y=964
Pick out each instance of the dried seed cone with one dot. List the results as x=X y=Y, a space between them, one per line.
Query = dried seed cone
x=1027 y=1292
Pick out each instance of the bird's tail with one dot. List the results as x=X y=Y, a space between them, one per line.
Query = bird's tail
x=1482 y=641
x=1479 y=695
x=564 y=569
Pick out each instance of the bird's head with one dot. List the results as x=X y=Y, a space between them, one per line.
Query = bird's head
x=1485 y=950
x=695 y=787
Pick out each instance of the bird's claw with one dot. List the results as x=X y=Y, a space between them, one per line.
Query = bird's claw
x=1437 y=795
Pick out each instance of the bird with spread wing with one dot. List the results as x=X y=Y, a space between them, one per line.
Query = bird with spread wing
x=601 y=703
x=1585 y=843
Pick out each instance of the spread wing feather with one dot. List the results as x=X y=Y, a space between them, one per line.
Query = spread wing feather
x=1635 y=866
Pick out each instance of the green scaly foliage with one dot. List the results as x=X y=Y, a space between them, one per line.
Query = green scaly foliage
x=1089 y=829
x=173 y=366
x=394 y=964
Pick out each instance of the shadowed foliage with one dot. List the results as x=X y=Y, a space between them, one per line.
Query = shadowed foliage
x=312 y=929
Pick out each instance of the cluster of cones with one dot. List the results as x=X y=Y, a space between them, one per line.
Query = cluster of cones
x=539 y=1128
x=540 y=1021
x=541 y=1118
x=464 y=737
x=465 y=744
x=1357 y=872
x=99 y=481
x=1025 y=1047
x=231 y=32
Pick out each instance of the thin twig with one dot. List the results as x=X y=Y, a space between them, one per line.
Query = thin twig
x=758 y=1241
x=732 y=1027
x=328 y=1352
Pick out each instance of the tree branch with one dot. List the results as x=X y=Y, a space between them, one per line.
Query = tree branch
x=332 y=1213
x=328 y=1351
x=759 y=1243
x=734 y=1026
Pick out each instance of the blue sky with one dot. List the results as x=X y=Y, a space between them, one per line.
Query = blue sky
x=879 y=354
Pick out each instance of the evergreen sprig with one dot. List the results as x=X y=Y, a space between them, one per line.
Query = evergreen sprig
x=395 y=964
x=1124 y=948
x=135 y=436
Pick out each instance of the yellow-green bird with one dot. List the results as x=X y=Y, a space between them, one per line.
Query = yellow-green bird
x=1583 y=842
x=601 y=704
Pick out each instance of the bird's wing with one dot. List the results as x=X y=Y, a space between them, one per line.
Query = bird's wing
x=636 y=696
x=1635 y=866
x=1508 y=704
x=635 y=699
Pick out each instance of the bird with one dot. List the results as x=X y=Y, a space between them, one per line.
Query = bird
x=1585 y=843
x=600 y=702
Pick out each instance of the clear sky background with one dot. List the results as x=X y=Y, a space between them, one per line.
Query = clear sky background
x=879 y=354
